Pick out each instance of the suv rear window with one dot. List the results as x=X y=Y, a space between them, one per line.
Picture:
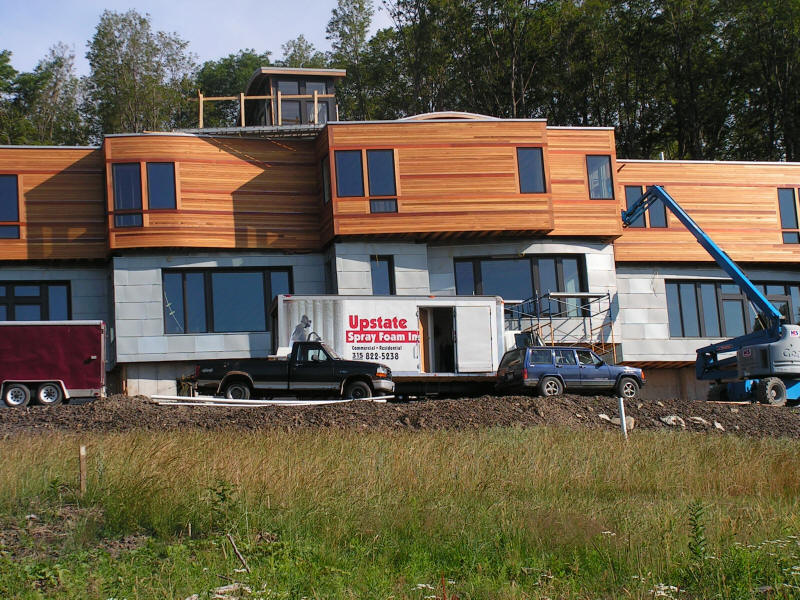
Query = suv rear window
x=541 y=357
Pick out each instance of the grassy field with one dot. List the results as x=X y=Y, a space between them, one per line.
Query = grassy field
x=506 y=513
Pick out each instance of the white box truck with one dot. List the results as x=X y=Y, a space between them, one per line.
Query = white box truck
x=433 y=344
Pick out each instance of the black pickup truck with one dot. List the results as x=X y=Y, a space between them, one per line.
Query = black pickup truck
x=311 y=369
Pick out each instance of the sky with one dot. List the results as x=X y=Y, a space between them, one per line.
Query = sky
x=213 y=29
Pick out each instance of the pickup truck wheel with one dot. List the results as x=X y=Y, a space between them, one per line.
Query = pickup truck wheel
x=628 y=388
x=16 y=395
x=237 y=390
x=357 y=390
x=550 y=386
x=771 y=391
x=49 y=394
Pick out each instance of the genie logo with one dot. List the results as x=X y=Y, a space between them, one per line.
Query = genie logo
x=747 y=353
x=794 y=333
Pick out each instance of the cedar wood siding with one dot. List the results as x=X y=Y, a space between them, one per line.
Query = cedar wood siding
x=231 y=193
x=61 y=203
x=735 y=203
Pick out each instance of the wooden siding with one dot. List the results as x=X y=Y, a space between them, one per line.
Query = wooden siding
x=451 y=177
x=231 y=193
x=574 y=213
x=61 y=203
x=735 y=203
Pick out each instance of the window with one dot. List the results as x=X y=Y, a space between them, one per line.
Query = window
x=161 y=186
x=322 y=112
x=382 y=268
x=326 y=180
x=600 y=183
x=290 y=112
x=289 y=87
x=34 y=301
x=531 y=170
x=523 y=278
x=383 y=206
x=711 y=309
x=541 y=357
x=349 y=173
x=788 y=211
x=380 y=168
x=565 y=357
x=221 y=300
x=9 y=207
x=127 y=194
x=654 y=216
x=315 y=86
x=587 y=357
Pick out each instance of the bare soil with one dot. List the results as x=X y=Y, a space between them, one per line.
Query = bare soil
x=122 y=413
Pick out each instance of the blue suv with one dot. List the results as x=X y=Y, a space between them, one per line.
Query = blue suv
x=554 y=369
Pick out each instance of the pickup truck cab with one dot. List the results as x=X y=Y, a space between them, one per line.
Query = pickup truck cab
x=550 y=370
x=311 y=369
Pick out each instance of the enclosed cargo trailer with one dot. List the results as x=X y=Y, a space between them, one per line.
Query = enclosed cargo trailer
x=48 y=362
x=433 y=344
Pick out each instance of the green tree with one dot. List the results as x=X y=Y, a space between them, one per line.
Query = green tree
x=299 y=52
x=348 y=30
x=7 y=76
x=228 y=76
x=140 y=79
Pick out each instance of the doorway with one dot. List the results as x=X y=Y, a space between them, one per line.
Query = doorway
x=438 y=347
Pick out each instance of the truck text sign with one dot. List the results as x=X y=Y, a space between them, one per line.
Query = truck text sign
x=379 y=330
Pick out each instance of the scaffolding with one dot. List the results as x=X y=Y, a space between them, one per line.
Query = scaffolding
x=564 y=319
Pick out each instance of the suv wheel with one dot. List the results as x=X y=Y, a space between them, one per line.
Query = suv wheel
x=550 y=386
x=628 y=388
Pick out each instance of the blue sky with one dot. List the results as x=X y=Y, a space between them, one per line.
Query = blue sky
x=213 y=29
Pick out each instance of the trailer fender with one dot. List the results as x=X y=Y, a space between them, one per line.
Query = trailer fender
x=235 y=376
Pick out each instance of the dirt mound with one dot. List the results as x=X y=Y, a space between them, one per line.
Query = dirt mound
x=122 y=413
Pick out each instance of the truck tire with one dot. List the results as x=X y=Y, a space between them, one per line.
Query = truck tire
x=771 y=391
x=237 y=390
x=357 y=390
x=49 y=394
x=550 y=386
x=628 y=388
x=16 y=395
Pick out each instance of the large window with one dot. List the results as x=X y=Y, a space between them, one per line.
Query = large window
x=788 y=211
x=600 y=182
x=127 y=194
x=382 y=269
x=654 y=216
x=221 y=300
x=349 y=173
x=381 y=188
x=531 y=170
x=711 y=309
x=380 y=167
x=9 y=207
x=522 y=278
x=161 y=185
x=34 y=301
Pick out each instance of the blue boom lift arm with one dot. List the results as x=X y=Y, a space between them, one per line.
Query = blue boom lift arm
x=708 y=365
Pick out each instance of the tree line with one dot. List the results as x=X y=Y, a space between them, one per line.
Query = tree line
x=698 y=79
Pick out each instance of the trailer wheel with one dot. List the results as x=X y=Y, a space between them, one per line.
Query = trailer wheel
x=49 y=394
x=628 y=388
x=357 y=390
x=237 y=390
x=718 y=393
x=16 y=395
x=550 y=386
x=771 y=391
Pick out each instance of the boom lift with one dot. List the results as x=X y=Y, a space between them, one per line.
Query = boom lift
x=766 y=363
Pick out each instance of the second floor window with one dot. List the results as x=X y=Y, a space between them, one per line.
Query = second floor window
x=531 y=170
x=656 y=214
x=349 y=173
x=788 y=211
x=600 y=182
x=127 y=194
x=161 y=185
x=9 y=207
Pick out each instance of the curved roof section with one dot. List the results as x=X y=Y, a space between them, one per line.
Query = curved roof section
x=449 y=114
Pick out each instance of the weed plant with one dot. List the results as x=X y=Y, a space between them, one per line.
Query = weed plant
x=503 y=513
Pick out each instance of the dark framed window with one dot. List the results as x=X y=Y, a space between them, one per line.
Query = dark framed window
x=523 y=278
x=315 y=86
x=289 y=87
x=380 y=170
x=601 y=184
x=531 y=170
x=290 y=112
x=655 y=216
x=349 y=173
x=35 y=301
x=9 y=207
x=325 y=168
x=712 y=309
x=787 y=206
x=161 y=186
x=127 y=194
x=221 y=300
x=382 y=269
x=322 y=112
x=383 y=206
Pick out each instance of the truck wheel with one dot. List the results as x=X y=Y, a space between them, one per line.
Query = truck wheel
x=238 y=390
x=49 y=394
x=16 y=395
x=771 y=391
x=628 y=388
x=550 y=386
x=357 y=390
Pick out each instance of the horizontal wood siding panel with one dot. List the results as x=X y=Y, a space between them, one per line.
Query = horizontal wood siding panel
x=233 y=193
x=735 y=203
x=62 y=203
x=574 y=213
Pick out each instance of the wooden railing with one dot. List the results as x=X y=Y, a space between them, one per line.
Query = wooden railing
x=275 y=107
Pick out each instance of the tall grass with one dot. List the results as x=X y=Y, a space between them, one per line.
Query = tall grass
x=503 y=513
